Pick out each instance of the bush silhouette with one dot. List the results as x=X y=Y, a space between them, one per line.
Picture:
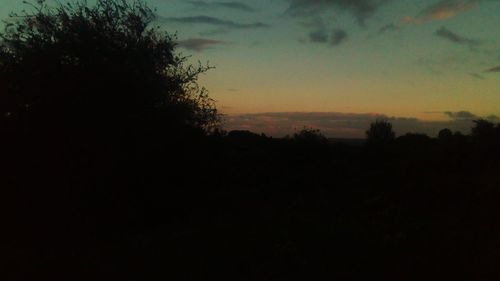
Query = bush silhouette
x=483 y=129
x=310 y=136
x=97 y=67
x=380 y=132
x=96 y=108
x=445 y=135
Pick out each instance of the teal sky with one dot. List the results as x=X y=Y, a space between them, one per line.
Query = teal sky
x=401 y=58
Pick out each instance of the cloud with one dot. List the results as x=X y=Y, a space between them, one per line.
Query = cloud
x=494 y=69
x=221 y=4
x=493 y=118
x=198 y=44
x=360 y=9
x=338 y=36
x=469 y=117
x=214 y=22
x=342 y=125
x=442 y=10
x=477 y=76
x=316 y=16
x=455 y=38
x=319 y=31
x=318 y=36
x=388 y=28
x=461 y=115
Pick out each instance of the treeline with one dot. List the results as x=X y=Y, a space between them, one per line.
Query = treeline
x=246 y=205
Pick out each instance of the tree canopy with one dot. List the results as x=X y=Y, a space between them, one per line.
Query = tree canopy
x=79 y=65
x=380 y=132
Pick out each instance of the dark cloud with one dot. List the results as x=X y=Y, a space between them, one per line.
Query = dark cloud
x=214 y=22
x=361 y=9
x=444 y=9
x=451 y=36
x=321 y=35
x=477 y=76
x=494 y=69
x=318 y=36
x=212 y=32
x=318 y=15
x=388 y=28
x=461 y=115
x=198 y=44
x=221 y=4
x=319 y=31
x=338 y=36
x=342 y=125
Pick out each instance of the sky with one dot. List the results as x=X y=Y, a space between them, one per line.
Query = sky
x=337 y=65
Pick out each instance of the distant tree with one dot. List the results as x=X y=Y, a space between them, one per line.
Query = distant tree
x=380 y=132
x=219 y=132
x=310 y=135
x=445 y=135
x=414 y=143
x=483 y=129
x=100 y=66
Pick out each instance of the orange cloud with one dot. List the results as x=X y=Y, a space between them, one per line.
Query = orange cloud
x=445 y=9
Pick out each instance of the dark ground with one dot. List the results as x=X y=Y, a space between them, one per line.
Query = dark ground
x=245 y=207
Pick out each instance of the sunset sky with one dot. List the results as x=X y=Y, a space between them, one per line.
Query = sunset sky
x=284 y=64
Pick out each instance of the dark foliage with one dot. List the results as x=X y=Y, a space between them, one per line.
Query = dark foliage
x=380 y=132
x=109 y=173
x=309 y=136
x=483 y=129
x=74 y=66
x=445 y=134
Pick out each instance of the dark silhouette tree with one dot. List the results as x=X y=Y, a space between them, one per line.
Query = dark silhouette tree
x=97 y=68
x=380 y=132
x=95 y=104
x=310 y=136
x=445 y=135
x=483 y=129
